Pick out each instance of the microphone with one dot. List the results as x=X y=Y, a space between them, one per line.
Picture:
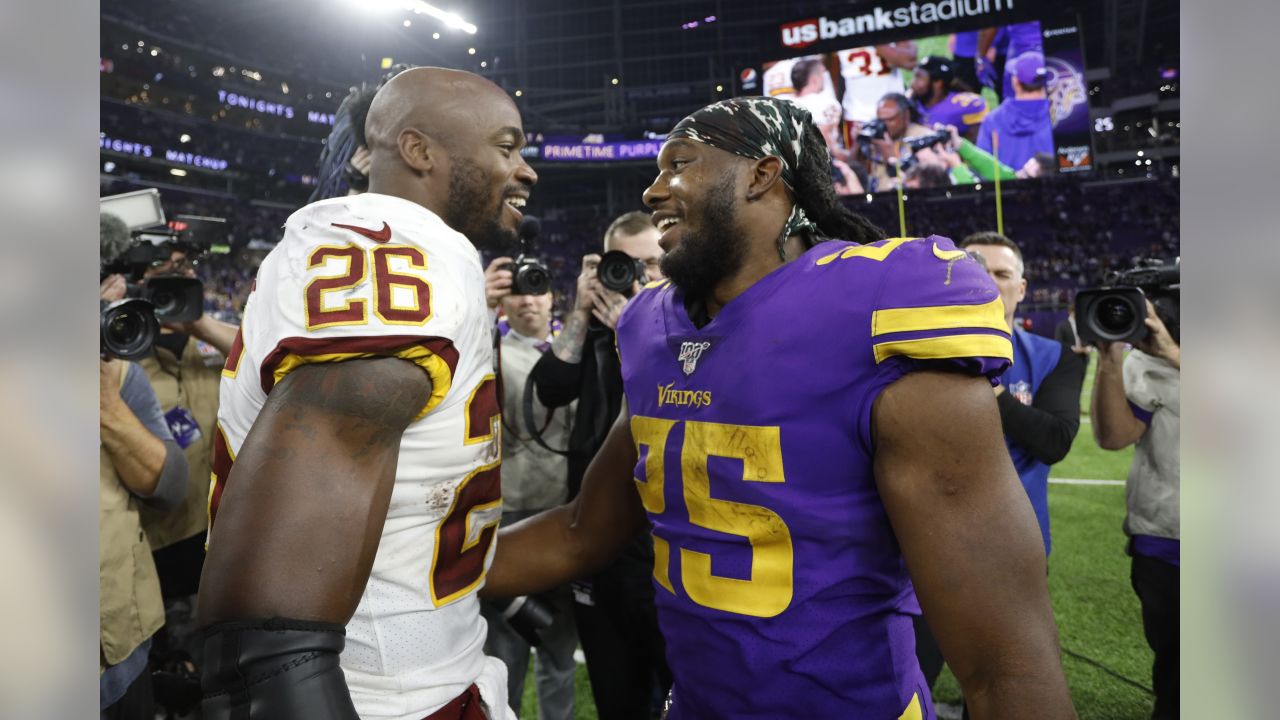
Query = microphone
x=113 y=237
x=530 y=229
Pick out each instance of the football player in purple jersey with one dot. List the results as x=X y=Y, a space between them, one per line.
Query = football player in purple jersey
x=810 y=432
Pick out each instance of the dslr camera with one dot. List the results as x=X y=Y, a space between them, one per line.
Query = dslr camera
x=617 y=271
x=868 y=131
x=529 y=276
x=1117 y=311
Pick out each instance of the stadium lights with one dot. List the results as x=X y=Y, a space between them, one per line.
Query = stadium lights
x=614 y=81
x=978 y=186
x=484 y=63
x=471 y=51
x=407 y=23
x=179 y=172
x=519 y=93
x=184 y=138
x=1139 y=153
x=450 y=19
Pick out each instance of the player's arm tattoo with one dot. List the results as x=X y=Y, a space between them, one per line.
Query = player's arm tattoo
x=568 y=344
x=376 y=397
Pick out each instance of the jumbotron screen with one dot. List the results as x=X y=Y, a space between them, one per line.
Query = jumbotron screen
x=1001 y=93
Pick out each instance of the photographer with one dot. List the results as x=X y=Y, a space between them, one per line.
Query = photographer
x=1136 y=401
x=614 y=612
x=139 y=464
x=886 y=151
x=533 y=479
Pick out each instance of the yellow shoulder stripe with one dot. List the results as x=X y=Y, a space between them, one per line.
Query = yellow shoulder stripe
x=951 y=346
x=988 y=316
x=871 y=252
x=656 y=283
x=437 y=369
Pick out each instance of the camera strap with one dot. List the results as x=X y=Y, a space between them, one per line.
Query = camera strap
x=530 y=423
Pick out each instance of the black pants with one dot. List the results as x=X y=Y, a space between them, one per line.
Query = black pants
x=626 y=658
x=1156 y=583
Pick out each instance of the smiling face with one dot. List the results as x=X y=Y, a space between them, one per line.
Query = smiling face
x=694 y=201
x=529 y=315
x=489 y=181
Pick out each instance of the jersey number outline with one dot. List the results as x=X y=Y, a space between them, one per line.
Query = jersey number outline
x=769 y=590
x=466 y=532
x=357 y=263
x=866 y=63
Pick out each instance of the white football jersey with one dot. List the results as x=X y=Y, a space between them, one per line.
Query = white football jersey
x=867 y=78
x=374 y=275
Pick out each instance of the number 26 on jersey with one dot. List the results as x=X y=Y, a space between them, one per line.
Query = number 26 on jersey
x=401 y=295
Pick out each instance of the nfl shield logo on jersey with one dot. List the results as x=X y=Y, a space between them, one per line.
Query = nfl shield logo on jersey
x=689 y=354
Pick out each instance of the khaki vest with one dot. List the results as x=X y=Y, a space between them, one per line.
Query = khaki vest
x=192 y=383
x=130 y=608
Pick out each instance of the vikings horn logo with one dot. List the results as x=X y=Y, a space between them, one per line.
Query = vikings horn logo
x=1066 y=90
x=689 y=354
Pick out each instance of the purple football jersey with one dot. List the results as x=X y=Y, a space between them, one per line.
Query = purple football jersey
x=962 y=109
x=781 y=589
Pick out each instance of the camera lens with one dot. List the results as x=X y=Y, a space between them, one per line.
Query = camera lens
x=617 y=271
x=128 y=329
x=166 y=303
x=1115 y=315
x=535 y=280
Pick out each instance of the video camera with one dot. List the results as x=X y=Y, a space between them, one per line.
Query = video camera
x=134 y=237
x=921 y=142
x=529 y=275
x=1117 y=311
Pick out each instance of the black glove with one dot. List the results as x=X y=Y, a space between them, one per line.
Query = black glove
x=277 y=669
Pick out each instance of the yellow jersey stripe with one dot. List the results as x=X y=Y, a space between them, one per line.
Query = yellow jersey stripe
x=437 y=369
x=950 y=346
x=913 y=711
x=988 y=316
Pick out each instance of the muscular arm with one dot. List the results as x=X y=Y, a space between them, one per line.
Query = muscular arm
x=1114 y=425
x=300 y=520
x=571 y=541
x=971 y=543
x=986 y=37
x=1047 y=427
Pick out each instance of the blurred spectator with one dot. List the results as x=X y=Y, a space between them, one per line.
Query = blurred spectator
x=534 y=478
x=139 y=464
x=1020 y=124
x=941 y=101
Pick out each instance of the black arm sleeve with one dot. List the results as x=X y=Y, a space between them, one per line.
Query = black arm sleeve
x=558 y=382
x=1046 y=428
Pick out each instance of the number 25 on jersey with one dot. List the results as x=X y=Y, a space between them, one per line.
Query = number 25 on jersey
x=768 y=590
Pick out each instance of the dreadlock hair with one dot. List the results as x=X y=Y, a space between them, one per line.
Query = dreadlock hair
x=335 y=173
x=816 y=195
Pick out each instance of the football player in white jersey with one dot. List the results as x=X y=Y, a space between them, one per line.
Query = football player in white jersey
x=356 y=486
x=872 y=72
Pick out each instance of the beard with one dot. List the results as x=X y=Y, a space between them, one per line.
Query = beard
x=711 y=254
x=472 y=211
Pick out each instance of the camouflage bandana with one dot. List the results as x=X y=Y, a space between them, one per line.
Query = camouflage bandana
x=756 y=128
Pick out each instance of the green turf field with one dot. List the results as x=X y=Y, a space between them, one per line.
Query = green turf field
x=1107 y=661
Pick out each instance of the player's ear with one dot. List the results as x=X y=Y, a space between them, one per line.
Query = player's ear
x=765 y=173
x=417 y=150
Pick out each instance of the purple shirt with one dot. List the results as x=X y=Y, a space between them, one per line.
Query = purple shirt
x=966 y=44
x=781 y=590
x=964 y=110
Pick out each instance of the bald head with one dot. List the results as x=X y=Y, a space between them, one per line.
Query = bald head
x=439 y=102
x=450 y=141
